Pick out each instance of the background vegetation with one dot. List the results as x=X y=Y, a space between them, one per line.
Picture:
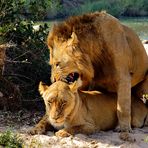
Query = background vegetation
x=27 y=55
x=62 y=8
x=26 y=60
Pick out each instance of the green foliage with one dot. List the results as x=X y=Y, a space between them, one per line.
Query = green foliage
x=136 y=7
x=9 y=10
x=37 y=9
x=55 y=8
x=26 y=62
x=10 y=13
x=10 y=140
x=115 y=7
x=41 y=9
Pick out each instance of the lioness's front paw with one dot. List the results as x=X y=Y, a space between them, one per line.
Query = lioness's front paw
x=62 y=133
x=35 y=131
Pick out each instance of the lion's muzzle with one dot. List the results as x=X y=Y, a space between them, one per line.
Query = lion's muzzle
x=72 y=77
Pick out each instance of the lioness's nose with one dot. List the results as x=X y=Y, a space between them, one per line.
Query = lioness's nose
x=55 y=116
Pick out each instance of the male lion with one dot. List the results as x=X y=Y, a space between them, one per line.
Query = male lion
x=107 y=55
x=75 y=111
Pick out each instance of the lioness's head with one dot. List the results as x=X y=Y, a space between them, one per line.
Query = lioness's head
x=60 y=101
x=67 y=58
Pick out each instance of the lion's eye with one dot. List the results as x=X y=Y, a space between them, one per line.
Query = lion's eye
x=63 y=104
x=57 y=64
x=49 y=103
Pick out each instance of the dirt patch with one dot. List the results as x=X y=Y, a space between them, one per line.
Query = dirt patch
x=23 y=120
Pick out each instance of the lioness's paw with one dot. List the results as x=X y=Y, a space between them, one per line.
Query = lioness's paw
x=127 y=137
x=123 y=129
x=62 y=133
x=35 y=131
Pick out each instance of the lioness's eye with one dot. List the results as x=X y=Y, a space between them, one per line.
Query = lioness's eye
x=57 y=64
x=49 y=103
x=63 y=103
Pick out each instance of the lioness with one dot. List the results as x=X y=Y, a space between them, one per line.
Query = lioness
x=74 y=111
x=107 y=55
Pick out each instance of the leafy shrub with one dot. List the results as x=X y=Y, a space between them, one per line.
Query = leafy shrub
x=26 y=63
x=36 y=9
x=10 y=140
x=55 y=8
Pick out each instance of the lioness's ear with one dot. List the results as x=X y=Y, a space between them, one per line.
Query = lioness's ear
x=42 y=88
x=73 y=39
x=74 y=86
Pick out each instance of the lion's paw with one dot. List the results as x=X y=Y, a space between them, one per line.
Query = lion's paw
x=125 y=129
x=62 y=133
x=125 y=136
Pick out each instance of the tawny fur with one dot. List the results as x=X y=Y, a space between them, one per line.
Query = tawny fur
x=107 y=55
x=74 y=111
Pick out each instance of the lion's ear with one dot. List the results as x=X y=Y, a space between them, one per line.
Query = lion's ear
x=73 y=39
x=42 y=88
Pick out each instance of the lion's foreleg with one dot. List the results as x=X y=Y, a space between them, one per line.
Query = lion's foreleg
x=124 y=103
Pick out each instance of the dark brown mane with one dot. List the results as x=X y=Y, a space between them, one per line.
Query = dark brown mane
x=79 y=24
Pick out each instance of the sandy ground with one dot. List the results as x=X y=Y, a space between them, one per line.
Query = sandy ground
x=21 y=121
x=108 y=139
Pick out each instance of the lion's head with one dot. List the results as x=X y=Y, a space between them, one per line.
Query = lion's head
x=60 y=101
x=68 y=57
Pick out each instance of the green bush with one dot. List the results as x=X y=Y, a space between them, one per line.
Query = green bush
x=37 y=9
x=27 y=61
x=10 y=140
